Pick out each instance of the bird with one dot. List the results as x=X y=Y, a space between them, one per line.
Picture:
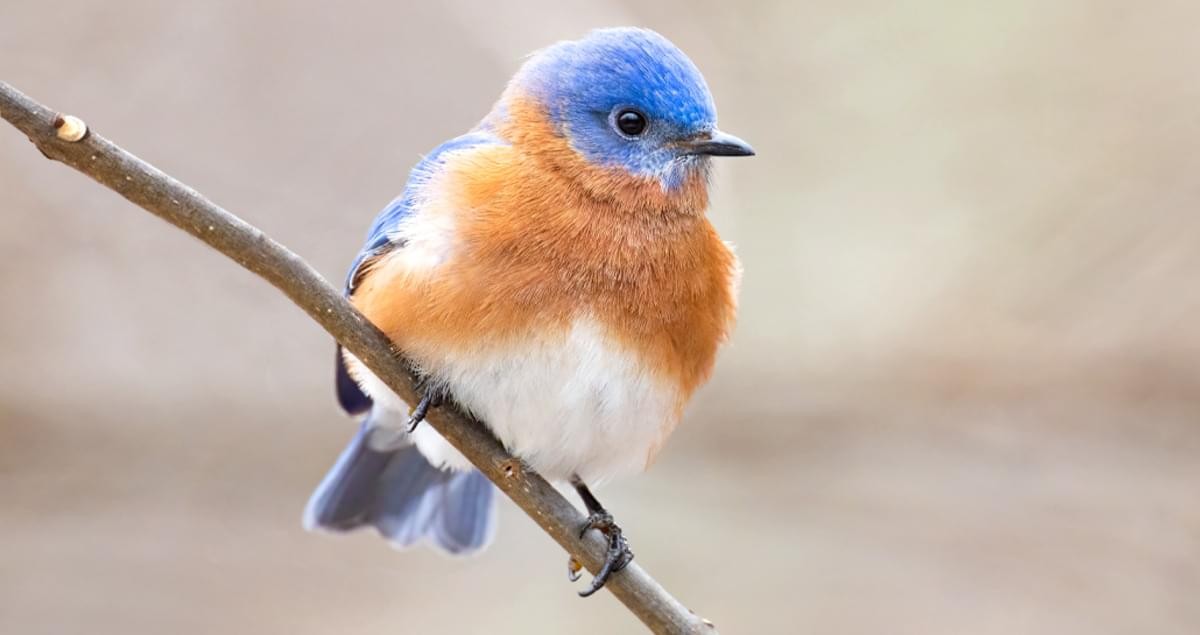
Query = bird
x=552 y=272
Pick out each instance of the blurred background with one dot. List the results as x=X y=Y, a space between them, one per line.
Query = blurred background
x=963 y=396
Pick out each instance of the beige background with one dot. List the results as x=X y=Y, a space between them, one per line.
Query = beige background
x=962 y=398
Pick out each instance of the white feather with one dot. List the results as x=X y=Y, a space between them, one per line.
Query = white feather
x=577 y=404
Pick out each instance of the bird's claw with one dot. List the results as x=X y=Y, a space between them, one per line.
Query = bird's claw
x=573 y=568
x=601 y=521
x=618 y=556
x=430 y=398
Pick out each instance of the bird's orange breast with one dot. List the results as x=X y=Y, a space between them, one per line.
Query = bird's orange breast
x=541 y=239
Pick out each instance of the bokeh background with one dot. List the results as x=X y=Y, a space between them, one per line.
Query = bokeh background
x=963 y=396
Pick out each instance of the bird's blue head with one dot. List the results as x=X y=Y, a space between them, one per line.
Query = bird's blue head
x=628 y=98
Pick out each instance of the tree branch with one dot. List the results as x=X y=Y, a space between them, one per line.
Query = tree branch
x=58 y=138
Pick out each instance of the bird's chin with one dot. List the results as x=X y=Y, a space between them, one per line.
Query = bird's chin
x=684 y=169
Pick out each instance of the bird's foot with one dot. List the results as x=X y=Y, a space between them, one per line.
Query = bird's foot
x=431 y=397
x=618 y=556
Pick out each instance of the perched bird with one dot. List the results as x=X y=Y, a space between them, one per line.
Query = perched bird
x=552 y=272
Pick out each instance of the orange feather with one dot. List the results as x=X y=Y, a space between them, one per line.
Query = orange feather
x=543 y=237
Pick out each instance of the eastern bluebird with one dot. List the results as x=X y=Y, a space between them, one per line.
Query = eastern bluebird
x=553 y=272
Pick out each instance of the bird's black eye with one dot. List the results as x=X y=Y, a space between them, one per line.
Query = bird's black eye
x=631 y=122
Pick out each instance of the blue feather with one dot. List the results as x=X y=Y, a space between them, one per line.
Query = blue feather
x=404 y=498
x=585 y=82
x=352 y=399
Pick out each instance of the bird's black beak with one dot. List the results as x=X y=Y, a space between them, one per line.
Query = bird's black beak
x=719 y=144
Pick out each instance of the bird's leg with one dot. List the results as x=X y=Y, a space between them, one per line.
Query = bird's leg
x=618 y=556
x=431 y=397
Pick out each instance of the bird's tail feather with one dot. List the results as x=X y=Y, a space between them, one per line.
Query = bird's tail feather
x=405 y=498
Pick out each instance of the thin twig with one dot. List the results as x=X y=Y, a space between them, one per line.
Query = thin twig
x=58 y=138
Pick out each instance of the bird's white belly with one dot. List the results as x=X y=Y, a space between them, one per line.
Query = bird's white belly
x=578 y=404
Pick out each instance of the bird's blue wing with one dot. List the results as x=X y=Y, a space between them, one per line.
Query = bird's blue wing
x=384 y=237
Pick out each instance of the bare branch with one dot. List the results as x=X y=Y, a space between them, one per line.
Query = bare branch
x=61 y=138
